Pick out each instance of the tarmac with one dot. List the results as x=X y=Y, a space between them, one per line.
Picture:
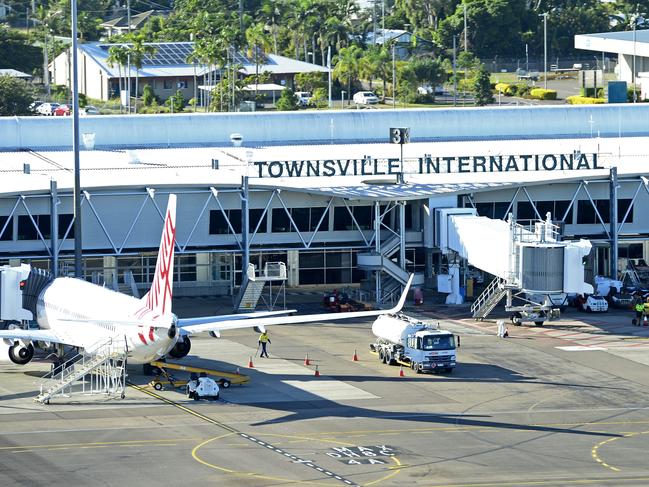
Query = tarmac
x=559 y=405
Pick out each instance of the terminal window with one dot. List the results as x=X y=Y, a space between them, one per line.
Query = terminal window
x=8 y=228
x=219 y=221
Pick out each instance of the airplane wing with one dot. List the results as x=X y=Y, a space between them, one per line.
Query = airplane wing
x=186 y=322
x=38 y=336
x=218 y=326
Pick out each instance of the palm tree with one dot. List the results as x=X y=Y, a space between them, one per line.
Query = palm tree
x=347 y=65
x=118 y=55
x=138 y=50
x=257 y=41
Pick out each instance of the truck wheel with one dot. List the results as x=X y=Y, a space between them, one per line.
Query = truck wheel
x=381 y=356
x=196 y=397
x=157 y=386
x=418 y=369
x=516 y=319
x=538 y=323
x=225 y=383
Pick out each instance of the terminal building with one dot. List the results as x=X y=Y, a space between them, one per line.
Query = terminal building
x=326 y=193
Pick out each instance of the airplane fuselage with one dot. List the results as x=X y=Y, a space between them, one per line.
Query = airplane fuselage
x=89 y=314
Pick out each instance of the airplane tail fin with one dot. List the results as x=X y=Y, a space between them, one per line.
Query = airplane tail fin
x=158 y=299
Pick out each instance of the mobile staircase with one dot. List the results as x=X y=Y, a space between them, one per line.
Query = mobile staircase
x=101 y=369
x=489 y=299
x=252 y=287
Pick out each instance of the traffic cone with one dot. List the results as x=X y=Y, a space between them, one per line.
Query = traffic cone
x=401 y=374
x=355 y=357
x=250 y=366
x=644 y=321
x=317 y=372
x=306 y=360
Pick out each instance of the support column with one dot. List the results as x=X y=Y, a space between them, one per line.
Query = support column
x=613 y=219
x=293 y=268
x=54 y=227
x=377 y=247
x=402 y=234
x=455 y=297
x=203 y=270
x=110 y=272
x=245 y=227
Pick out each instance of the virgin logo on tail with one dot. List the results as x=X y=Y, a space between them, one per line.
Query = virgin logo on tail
x=158 y=299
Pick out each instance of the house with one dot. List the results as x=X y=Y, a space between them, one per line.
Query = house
x=14 y=73
x=119 y=25
x=167 y=70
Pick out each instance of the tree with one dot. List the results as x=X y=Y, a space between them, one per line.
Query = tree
x=15 y=96
x=118 y=55
x=348 y=66
x=428 y=72
x=176 y=102
x=310 y=81
x=288 y=101
x=137 y=51
x=482 y=88
x=259 y=44
x=147 y=95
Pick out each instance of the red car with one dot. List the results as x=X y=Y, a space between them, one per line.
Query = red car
x=62 y=110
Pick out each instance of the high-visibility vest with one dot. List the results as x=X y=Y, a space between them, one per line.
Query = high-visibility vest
x=639 y=307
x=263 y=338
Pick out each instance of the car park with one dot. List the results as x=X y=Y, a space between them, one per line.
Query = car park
x=33 y=106
x=365 y=98
x=46 y=108
x=303 y=98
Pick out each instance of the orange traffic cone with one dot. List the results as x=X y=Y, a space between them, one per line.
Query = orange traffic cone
x=306 y=360
x=401 y=374
x=355 y=357
x=250 y=366
x=317 y=372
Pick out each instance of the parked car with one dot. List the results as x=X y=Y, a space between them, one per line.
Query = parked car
x=33 y=106
x=303 y=98
x=365 y=98
x=46 y=108
x=592 y=303
x=63 y=110
x=89 y=110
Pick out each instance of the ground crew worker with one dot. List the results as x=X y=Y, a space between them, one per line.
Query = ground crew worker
x=263 y=339
x=646 y=312
x=639 y=311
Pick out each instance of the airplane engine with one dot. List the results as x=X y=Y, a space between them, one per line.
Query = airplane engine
x=16 y=353
x=181 y=348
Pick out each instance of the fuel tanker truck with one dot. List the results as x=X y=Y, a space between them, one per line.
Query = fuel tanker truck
x=406 y=341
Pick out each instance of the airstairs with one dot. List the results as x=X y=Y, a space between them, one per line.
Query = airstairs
x=252 y=287
x=99 y=370
x=489 y=299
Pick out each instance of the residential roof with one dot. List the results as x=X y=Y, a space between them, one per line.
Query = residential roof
x=14 y=73
x=173 y=59
x=122 y=22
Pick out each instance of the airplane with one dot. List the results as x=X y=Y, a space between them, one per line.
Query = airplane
x=73 y=312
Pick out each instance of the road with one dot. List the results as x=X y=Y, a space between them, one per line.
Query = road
x=561 y=405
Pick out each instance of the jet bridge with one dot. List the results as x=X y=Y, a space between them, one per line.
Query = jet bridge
x=524 y=260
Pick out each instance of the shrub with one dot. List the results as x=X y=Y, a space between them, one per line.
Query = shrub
x=147 y=95
x=502 y=87
x=541 y=94
x=287 y=101
x=629 y=94
x=320 y=98
x=522 y=89
x=584 y=100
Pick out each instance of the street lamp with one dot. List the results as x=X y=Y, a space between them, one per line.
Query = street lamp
x=545 y=49
x=635 y=22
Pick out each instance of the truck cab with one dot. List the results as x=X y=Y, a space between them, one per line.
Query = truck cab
x=431 y=350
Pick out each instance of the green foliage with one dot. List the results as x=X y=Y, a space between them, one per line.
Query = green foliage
x=60 y=93
x=176 y=102
x=584 y=100
x=320 y=98
x=148 y=97
x=504 y=88
x=288 y=101
x=406 y=83
x=541 y=94
x=15 y=96
x=16 y=51
x=629 y=94
x=428 y=71
x=482 y=88
x=310 y=81
x=83 y=100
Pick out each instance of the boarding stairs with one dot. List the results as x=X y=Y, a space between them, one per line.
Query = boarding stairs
x=99 y=370
x=252 y=287
x=489 y=299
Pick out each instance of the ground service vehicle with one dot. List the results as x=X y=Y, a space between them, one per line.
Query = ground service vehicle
x=403 y=340
x=365 y=98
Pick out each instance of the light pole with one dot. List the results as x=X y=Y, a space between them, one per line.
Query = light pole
x=342 y=98
x=635 y=96
x=545 y=50
x=78 y=264
x=394 y=75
